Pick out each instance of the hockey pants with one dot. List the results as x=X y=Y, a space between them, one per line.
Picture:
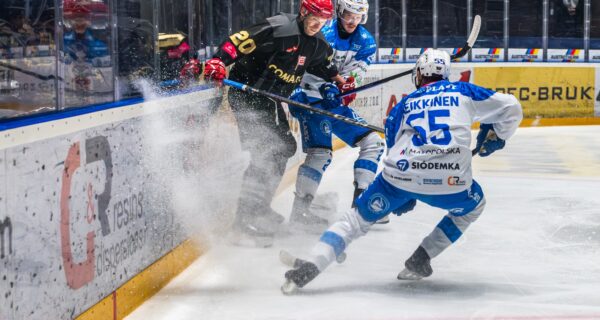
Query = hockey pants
x=316 y=131
x=265 y=133
x=381 y=199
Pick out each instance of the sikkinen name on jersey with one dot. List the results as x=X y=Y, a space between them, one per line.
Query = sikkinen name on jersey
x=438 y=101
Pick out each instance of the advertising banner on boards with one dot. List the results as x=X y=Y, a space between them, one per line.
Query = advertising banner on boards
x=547 y=92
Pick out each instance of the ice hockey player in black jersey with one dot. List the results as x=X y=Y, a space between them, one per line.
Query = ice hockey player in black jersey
x=272 y=55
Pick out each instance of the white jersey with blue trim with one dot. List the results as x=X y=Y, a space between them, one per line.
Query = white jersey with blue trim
x=428 y=135
x=351 y=56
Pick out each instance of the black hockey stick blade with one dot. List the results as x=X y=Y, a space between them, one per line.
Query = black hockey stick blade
x=471 y=40
x=273 y=96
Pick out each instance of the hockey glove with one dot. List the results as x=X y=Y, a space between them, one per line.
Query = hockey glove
x=409 y=206
x=344 y=87
x=300 y=96
x=487 y=140
x=214 y=69
x=330 y=93
x=191 y=70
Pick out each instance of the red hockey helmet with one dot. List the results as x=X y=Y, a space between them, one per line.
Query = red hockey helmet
x=73 y=9
x=94 y=13
x=320 y=8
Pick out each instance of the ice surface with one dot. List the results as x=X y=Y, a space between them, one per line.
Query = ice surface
x=533 y=254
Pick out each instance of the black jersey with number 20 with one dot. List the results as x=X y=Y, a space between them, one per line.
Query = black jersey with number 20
x=274 y=55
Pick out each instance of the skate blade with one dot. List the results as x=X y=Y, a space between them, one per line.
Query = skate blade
x=289 y=288
x=408 y=275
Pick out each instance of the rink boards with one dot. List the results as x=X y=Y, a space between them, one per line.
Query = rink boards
x=81 y=206
x=83 y=225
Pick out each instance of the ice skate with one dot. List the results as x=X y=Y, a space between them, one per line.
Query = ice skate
x=254 y=230
x=303 y=219
x=299 y=277
x=417 y=267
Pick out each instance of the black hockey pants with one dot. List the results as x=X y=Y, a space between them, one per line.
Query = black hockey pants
x=265 y=133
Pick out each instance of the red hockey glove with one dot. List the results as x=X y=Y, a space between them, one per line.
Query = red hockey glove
x=191 y=70
x=214 y=69
x=344 y=87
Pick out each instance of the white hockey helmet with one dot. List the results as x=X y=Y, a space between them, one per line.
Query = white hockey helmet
x=354 y=6
x=431 y=63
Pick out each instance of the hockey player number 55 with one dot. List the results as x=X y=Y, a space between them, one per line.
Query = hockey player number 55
x=421 y=137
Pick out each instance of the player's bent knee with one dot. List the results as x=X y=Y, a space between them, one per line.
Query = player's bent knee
x=475 y=213
x=373 y=207
x=372 y=142
x=318 y=158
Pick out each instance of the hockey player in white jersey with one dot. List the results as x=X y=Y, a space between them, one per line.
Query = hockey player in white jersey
x=428 y=136
x=354 y=48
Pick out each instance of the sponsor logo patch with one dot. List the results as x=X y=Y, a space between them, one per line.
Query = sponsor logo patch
x=455 y=181
x=434 y=182
x=435 y=166
x=402 y=165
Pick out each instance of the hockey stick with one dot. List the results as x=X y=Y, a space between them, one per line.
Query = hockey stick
x=463 y=51
x=30 y=73
x=351 y=121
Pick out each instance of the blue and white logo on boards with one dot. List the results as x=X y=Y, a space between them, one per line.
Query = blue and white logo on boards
x=402 y=164
x=378 y=203
x=325 y=127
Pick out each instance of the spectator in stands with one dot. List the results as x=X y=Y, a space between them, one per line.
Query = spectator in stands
x=571 y=6
x=79 y=40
